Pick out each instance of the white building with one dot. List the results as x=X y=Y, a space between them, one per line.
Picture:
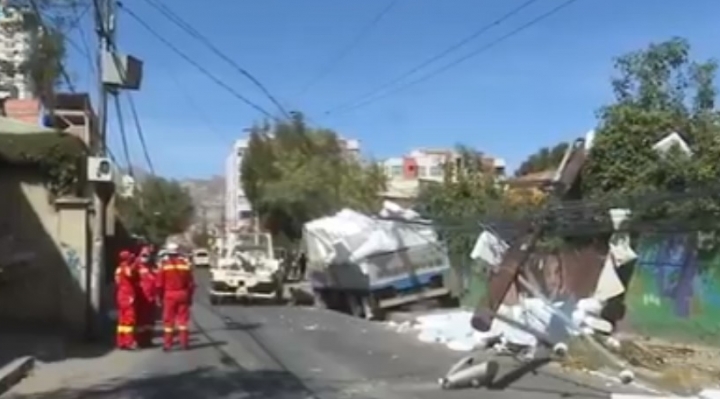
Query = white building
x=19 y=34
x=238 y=211
x=405 y=173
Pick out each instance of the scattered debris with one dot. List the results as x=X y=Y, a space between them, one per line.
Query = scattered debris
x=679 y=368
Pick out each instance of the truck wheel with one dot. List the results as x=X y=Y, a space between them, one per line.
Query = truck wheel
x=354 y=305
x=214 y=300
x=320 y=299
x=371 y=308
x=279 y=294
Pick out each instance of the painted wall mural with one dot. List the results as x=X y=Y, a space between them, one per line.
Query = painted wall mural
x=73 y=261
x=675 y=288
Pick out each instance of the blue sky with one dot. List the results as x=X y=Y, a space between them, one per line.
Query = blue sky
x=535 y=89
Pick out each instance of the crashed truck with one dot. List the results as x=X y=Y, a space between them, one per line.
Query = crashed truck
x=366 y=265
x=247 y=269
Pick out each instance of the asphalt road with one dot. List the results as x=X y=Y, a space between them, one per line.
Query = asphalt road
x=274 y=352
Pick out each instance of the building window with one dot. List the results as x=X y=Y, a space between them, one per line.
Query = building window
x=244 y=215
x=396 y=170
x=240 y=152
x=422 y=171
x=436 y=171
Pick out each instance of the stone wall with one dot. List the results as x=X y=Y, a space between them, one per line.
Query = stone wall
x=44 y=255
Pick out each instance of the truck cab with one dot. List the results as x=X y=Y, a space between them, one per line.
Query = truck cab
x=247 y=269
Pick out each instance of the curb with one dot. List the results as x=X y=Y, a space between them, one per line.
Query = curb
x=14 y=372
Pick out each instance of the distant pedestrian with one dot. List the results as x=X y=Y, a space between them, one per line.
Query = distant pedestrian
x=302 y=265
x=125 y=286
x=176 y=282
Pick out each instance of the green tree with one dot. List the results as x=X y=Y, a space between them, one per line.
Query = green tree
x=160 y=208
x=467 y=195
x=544 y=159
x=659 y=90
x=292 y=173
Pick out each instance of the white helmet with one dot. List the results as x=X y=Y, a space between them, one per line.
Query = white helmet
x=172 y=248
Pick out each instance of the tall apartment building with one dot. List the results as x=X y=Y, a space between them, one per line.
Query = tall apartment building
x=19 y=36
x=238 y=210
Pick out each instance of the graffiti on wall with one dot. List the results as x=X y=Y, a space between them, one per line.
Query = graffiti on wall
x=675 y=288
x=73 y=261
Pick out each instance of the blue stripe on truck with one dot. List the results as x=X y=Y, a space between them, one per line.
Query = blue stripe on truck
x=409 y=282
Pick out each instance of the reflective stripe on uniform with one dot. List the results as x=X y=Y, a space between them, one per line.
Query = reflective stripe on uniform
x=182 y=328
x=124 y=329
x=184 y=266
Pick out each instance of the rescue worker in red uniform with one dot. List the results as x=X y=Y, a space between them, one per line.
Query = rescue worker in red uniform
x=175 y=281
x=147 y=298
x=125 y=285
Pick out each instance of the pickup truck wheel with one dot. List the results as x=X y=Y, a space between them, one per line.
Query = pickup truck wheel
x=354 y=305
x=320 y=299
x=214 y=300
x=279 y=294
x=371 y=308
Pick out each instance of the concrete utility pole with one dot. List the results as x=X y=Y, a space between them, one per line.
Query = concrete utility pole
x=115 y=72
x=104 y=23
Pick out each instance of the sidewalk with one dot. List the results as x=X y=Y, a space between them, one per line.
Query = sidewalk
x=24 y=350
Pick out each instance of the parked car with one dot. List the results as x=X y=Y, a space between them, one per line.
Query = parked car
x=201 y=258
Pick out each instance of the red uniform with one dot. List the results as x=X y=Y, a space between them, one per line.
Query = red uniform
x=175 y=280
x=125 y=285
x=147 y=297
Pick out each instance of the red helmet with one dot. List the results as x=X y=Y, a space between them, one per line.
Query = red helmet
x=125 y=255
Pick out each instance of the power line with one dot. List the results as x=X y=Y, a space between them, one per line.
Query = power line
x=139 y=131
x=189 y=29
x=194 y=63
x=440 y=55
x=83 y=39
x=361 y=103
x=193 y=104
x=123 y=136
x=350 y=47
x=63 y=72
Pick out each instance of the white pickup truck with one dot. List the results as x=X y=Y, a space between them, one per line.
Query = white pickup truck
x=247 y=269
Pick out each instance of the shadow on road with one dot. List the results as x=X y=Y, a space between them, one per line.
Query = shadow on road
x=515 y=380
x=201 y=383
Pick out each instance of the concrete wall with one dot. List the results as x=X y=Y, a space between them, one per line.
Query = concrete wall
x=675 y=288
x=47 y=244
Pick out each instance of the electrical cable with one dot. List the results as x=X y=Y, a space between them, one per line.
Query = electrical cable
x=335 y=61
x=587 y=218
x=194 y=63
x=123 y=136
x=63 y=72
x=456 y=62
x=140 y=134
x=189 y=29
x=482 y=30
x=83 y=38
